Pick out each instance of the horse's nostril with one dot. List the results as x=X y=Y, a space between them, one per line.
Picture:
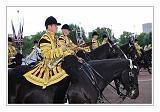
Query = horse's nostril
x=134 y=93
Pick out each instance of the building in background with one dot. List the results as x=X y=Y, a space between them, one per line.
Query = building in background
x=147 y=27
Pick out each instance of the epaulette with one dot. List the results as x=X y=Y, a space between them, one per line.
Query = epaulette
x=61 y=37
x=44 y=41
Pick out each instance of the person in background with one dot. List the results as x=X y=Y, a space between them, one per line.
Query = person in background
x=11 y=53
x=35 y=55
x=66 y=43
x=95 y=42
x=138 y=48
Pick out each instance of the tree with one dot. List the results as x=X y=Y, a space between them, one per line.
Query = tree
x=27 y=45
x=28 y=42
x=143 y=39
x=124 y=38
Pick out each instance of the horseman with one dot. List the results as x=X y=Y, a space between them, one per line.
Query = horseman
x=138 y=48
x=68 y=47
x=37 y=50
x=11 y=53
x=66 y=43
x=149 y=46
x=95 y=42
x=49 y=70
x=35 y=55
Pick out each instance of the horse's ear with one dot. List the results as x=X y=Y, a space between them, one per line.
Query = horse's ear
x=110 y=41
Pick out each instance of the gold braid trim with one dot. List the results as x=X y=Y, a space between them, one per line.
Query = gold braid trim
x=46 y=80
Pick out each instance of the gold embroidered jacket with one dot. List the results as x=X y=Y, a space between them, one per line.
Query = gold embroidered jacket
x=11 y=52
x=48 y=71
x=138 y=48
x=67 y=45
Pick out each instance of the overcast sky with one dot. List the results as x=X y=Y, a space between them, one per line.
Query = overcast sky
x=119 y=19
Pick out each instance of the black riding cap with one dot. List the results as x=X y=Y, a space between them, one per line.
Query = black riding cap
x=51 y=20
x=35 y=41
x=66 y=26
x=94 y=33
x=136 y=40
x=105 y=36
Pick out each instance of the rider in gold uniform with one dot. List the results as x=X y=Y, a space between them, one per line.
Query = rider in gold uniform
x=49 y=70
x=138 y=48
x=66 y=43
x=11 y=52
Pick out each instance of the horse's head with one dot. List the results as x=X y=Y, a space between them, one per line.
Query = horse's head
x=134 y=88
x=130 y=83
x=131 y=51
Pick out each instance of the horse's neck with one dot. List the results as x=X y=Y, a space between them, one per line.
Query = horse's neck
x=108 y=69
x=100 y=52
x=120 y=52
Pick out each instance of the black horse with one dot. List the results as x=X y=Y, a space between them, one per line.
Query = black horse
x=143 y=61
x=108 y=51
x=87 y=83
x=29 y=93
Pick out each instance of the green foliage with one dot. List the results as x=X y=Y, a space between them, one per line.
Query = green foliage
x=124 y=38
x=58 y=34
x=72 y=36
x=28 y=42
x=27 y=45
x=143 y=39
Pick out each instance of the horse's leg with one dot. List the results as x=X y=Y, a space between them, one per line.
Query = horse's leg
x=61 y=91
x=78 y=95
x=11 y=87
x=117 y=84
